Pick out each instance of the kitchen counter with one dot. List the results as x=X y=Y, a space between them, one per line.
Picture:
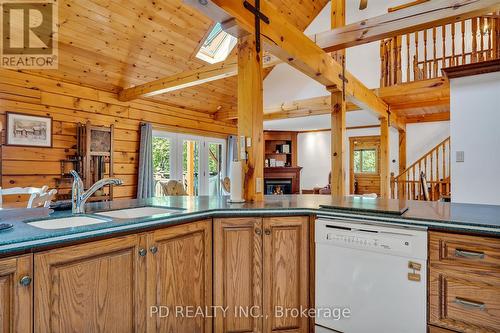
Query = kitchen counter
x=467 y=218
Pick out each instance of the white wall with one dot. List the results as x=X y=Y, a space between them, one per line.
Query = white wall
x=475 y=116
x=420 y=138
x=314 y=149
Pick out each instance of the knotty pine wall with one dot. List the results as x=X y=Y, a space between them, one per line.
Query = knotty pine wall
x=69 y=104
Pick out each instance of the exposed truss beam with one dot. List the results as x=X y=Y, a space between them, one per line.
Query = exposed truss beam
x=425 y=15
x=188 y=79
x=384 y=26
x=285 y=41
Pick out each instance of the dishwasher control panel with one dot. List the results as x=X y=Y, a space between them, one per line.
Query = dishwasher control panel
x=397 y=241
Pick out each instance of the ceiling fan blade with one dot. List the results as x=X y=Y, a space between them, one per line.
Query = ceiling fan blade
x=363 y=4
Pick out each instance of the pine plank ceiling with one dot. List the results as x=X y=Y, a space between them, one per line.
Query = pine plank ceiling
x=114 y=44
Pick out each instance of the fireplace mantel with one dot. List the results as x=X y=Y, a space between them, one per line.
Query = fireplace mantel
x=292 y=173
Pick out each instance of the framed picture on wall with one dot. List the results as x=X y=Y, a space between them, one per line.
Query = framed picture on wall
x=27 y=130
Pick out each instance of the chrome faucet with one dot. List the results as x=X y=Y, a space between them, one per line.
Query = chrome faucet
x=79 y=196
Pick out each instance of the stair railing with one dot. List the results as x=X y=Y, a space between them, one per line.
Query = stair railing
x=421 y=55
x=435 y=165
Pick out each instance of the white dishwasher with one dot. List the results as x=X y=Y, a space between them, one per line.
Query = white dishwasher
x=376 y=275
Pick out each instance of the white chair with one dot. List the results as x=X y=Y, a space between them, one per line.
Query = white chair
x=37 y=195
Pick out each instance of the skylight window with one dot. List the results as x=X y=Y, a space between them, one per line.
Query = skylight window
x=216 y=46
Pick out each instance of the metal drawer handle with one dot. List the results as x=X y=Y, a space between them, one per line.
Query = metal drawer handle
x=470 y=304
x=142 y=252
x=469 y=254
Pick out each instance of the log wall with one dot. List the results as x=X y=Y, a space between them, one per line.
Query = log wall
x=69 y=104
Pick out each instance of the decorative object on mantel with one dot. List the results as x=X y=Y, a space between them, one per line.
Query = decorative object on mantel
x=28 y=131
x=236 y=183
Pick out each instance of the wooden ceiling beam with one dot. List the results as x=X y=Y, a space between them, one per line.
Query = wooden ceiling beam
x=425 y=15
x=188 y=79
x=426 y=118
x=285 y=41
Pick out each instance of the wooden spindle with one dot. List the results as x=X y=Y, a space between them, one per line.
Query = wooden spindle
x=437 y=165
x=443 y=36
x=474 y=40
x=424 y=69
x=444 y=163
x=407 y=57
x=482 y=24
x=434 y=53
x=452 y=60
x=463 y=41
x=399 y=72
x=415 y=62
x=382 y=64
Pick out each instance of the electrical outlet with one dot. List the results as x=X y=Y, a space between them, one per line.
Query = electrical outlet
x=460 y=156
x=258 y=185
x=249 y=142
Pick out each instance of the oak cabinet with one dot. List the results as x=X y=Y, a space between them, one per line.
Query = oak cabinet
x=238 y=274
x=286 y=273
x=16 y=293
x=261 y=268
x=180 y=277
x=464 y=282
x=113 y=285
x=94 y=287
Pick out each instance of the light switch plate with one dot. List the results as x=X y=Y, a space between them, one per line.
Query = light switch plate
x=460 y=156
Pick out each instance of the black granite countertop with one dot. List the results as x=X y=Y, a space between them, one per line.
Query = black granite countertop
x=468 y=218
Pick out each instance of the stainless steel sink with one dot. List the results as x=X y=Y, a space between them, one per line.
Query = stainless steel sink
x=67 y=222
x=135 y=213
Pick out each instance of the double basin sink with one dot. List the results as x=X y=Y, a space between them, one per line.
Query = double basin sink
x=102 y=217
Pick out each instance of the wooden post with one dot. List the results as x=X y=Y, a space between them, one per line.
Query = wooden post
x=338 y=144
x=384 y=159
x=338 y=105
x=402 y=160
x=338 y=20
x=251 y=116
x=190 y=168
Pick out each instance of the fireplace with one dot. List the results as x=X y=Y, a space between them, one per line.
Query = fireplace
x=288 y=178
x=278 y=186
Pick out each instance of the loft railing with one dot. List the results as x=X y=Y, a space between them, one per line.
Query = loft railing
x=435 y=166
x=421 y=55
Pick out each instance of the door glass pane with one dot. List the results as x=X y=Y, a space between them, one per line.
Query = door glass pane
x=214 y=169
x=161 y=162
x=357 y=161
x=369 y=161
x=190 y=166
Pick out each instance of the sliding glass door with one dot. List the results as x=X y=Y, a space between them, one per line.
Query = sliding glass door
x=195 y=161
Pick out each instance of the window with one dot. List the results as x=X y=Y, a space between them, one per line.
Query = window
x=216 y=46
x=197 y=162
x=365 y=161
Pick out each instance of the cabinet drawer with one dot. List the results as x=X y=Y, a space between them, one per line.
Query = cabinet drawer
x=465 y=252
x=464 y=304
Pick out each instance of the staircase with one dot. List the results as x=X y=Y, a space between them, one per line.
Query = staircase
x=435 y=165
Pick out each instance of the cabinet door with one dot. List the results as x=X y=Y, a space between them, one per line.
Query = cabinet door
x=93 y=287
x=180 y=278
x=286 y=274
x=238 y=274
x=16 y=291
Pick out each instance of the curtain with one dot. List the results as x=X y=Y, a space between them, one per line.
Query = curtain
x=232 y=153
x=145 y=182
